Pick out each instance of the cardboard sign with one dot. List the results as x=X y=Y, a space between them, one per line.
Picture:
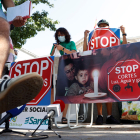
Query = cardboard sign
x=44 y=67
x=103 y=37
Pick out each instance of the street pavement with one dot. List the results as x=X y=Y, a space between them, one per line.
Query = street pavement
x=102 y=132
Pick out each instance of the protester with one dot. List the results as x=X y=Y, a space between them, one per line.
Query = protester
x=22 y=89
x=104 y=23
x=110 y=119
x=65 y=46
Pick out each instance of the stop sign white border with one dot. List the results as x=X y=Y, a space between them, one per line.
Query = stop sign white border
x=35 y=103
x=108 y=81
x=104 y=29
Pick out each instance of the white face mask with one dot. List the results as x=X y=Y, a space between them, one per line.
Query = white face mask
x=61 y=38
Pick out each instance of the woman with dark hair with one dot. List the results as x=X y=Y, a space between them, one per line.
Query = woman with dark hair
x=65 y=46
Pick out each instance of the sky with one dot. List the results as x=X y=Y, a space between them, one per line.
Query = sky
x=80 y=15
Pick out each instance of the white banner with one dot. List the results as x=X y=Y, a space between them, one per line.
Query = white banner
x=30 y=118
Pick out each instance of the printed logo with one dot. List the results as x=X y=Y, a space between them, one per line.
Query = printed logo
x=13 y=119
x=13 y=122
x=35 y=121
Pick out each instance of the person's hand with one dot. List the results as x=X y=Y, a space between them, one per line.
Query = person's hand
x=122 y=29
x=86 y=33
x=59 y=47
x=19 y=21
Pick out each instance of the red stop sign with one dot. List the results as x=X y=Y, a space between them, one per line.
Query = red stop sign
x=124 y=80
x=102 y=38
x=43 y=66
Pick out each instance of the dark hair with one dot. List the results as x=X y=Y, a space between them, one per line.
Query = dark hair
x=68 y=61
x=62 y=31
x=64 y=63
x=81 y=67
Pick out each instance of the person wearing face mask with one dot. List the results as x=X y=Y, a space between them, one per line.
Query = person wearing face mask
x=65 y=46
x=110 y=119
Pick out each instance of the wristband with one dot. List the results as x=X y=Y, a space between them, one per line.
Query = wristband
x=124 y=34
x=63 y=49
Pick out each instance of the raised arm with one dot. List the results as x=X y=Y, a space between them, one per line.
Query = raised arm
x=85 y=40
x=123 y=34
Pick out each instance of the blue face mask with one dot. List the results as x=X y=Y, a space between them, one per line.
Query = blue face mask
x=61 y=38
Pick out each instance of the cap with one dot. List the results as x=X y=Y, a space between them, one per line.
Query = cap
x=102 y=21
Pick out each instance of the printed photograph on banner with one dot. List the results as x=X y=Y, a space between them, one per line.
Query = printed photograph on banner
x=102 y=75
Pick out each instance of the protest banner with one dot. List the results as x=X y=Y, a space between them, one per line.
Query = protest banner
x=103 y=37
x=35 y=110
x=100 y=76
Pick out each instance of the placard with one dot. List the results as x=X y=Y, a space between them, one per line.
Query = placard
x=99 y=76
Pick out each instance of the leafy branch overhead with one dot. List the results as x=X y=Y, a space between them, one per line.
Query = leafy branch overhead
x=37 y=22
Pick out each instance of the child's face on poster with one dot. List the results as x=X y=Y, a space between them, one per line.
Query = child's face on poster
x=82 y=76
x=70 y=71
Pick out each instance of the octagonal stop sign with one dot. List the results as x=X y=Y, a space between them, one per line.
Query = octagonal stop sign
x=104 y=37
x=43 y=66
x=124 y=80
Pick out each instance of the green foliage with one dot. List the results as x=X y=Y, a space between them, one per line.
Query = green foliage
x=37 y=22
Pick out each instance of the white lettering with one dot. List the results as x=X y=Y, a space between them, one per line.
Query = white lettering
x=104 y=45
x=135 y=67
x=17 y=70
x=118 y=70
x=44 y=68
x=45 y=82
x=112 y=40
x=129 y=68
x=97 y=41
x=123 y=68
x=25 y=65
x=34 y=63
x=92 y=43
